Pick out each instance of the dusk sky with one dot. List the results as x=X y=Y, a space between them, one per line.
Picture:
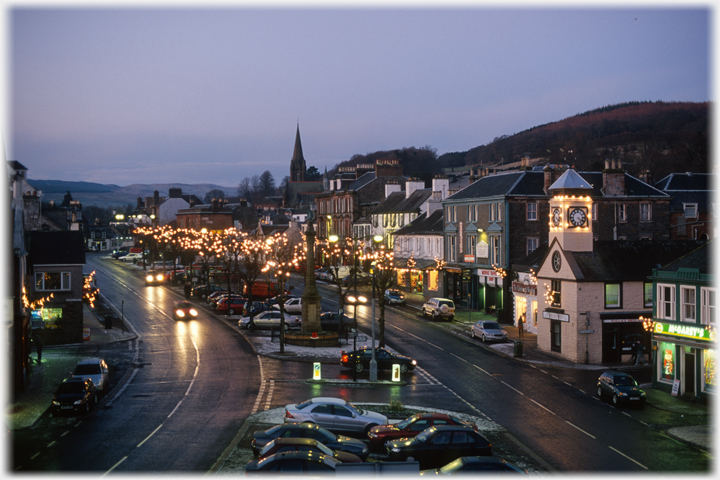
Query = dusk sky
x=213 y=95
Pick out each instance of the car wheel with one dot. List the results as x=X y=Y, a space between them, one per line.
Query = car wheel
x=403 y=368
x=615 y=399
x=232 y=311
x=482 y=337
x=286 y=327
x=251 y=326
x=359 y=367
x=369 y=427
x=424 y=313
x=472 y=333
x=599 y=391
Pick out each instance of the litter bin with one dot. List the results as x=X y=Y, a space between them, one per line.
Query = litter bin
x=518 y=349
x=108 y=322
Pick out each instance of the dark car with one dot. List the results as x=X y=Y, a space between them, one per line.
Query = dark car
x=394 y=297
x=621 y=388
x=362 y=279
x=257 y=307
x=331 y=322
x=412 y=426
x=202 y=291
x=309 y=430
x=280 y=445
x=475 y=466
x=213 y=298
x=74 y=395
x=439 y=445
x=385 y=359
x=156 y=278
x=293 y=463
x=184 y=310
x=284 y=298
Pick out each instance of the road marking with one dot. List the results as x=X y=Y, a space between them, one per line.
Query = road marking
x=114 y=466
x=580 y=429
x=632 y=460
x=65 y=433
x=539 y=405
x=413 y=335
x=269 y=394
x=148 y=437
x=51 y=444
x=33 y=457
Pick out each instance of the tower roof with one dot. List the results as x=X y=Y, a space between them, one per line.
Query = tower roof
x=570 y=180
x=297 y=152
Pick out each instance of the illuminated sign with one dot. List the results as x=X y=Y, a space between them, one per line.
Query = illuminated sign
x=687 y=331
x=46 y=318
x=316 y=371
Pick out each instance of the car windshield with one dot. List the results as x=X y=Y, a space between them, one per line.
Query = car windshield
x=357 y=410
x=491 y=326
x=625 y=381
x=184 y=305
x=423 y=436
x=325 y=449
x=71 y=387
x=406 y=422
x=304 y=404
x=87 y=370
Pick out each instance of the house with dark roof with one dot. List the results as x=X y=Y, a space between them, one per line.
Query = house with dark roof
x=399 y=208
x=684 y=326
x=418 y=249
x=56 y=262
x=164 y=210
x=691 y=209
x=500 y=219
x=593 y=295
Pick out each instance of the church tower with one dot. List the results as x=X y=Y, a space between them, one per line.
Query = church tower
x=297 y=164
x=570 y=213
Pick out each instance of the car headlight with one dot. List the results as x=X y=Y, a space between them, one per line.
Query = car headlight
x=193 y=312
x=642 y=393
x=149 y=278
x=160 y=278
x=180 y=313
x=414 y=362
x=394 y=449
x=55 y=402
x=79 y=402
x=372 y=434
x=622 y=394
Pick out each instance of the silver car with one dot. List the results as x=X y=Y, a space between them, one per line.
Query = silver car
x=488 y=330
x=269 y=320
x=334 y=414
x=96 y=370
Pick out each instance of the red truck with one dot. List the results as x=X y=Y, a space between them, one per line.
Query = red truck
x=262 y=289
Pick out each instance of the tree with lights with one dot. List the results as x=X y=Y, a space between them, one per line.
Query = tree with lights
x=339 y=252
x=384 y=277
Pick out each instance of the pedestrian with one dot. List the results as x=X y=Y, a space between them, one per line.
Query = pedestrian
x=640 y=357
x=188 y=289
x=521 y=320
x=634 y=350
x=38 y=346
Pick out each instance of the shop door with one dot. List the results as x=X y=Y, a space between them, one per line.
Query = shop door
x=689 y=373
x=611 y=349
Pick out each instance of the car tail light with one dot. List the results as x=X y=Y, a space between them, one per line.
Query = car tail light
x=288 y=414
x=344 y=358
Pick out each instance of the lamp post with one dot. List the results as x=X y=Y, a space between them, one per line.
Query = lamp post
x=373 y=363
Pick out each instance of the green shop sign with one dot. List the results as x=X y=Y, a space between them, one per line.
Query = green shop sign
x=687 y=331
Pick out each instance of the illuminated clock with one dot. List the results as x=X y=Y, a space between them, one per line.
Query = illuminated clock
x=556 y=261
x=556 y=216
x=577 y=216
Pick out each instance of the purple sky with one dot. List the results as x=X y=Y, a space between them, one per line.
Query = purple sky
x=195 y=95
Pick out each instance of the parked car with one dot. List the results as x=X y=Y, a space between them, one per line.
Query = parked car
x=202 y=291
x=475 y=466
x=131 y=257
x=256 y=307
x=177 y=276
x=362 y=279
x=439 y=445
x=74 y=395
x=293 y=463
x=285 y=298
x=269 y=320
x=154 y=279
x=213 y=298
x=488 y=330
x=280 y=445
x=309 y=430
x=231 y=304
x=331 y=322
x=335 y=414
x=184 y=310
x=412 y=426
x=384 y=358
x=96 y=370
x=439 y=308
x=294 y=305
x=323 y=274
x=120 y=252
x=620 y=387
x=394 y=297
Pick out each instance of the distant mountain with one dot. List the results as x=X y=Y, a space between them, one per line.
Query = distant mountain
x=104 y=196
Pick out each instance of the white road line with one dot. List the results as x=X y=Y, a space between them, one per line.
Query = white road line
x=51 y=444
x=413 y=335
x=270 y=394
x=114 y=466
x=34 y=456
x=634 y=461
x=64 y=433
x=580 y=429
x=540 y=405
x=148 y=437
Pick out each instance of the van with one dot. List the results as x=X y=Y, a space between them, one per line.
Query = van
x=262 y=289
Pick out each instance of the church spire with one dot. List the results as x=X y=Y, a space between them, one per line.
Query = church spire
x=297 y=164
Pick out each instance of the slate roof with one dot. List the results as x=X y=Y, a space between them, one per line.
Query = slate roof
x=531 y=183
x=424 y=225
x=57 y=248
x=625 y=261
x=397 y=203
x=687 y=188
x=697 y=259
x=534 y=260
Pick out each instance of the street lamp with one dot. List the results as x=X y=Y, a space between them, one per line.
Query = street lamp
x=373 y=363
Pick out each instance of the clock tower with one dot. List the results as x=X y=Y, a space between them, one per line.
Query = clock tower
x=570 y=213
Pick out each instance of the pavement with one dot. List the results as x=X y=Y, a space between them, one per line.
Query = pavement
x=58 y=361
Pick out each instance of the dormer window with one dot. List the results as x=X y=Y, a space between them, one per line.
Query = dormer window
x=690 y=210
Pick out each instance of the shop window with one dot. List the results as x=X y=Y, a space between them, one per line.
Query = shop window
x=666 y=302
x=52 y=281
x=708 y=306
x=531 y=210
x=687 y=294
x=555 y=334
x=648 y=295
x=667 y=362
x=433 y=280
x=556 y=286
x=708 y=371
x=613 y=295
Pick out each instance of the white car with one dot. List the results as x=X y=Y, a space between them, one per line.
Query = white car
x=269 y=320
x=96 y=370
x=334 y=414
x=439 y=308
x=488 y=330
x=294 y=305
x=131 y=257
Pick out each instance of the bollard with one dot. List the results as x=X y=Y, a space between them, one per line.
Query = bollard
x=108 y=322
x=518 y=349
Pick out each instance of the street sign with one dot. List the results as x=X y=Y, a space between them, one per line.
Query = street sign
x=395 y=372
x=586 y=331
x=316 y=371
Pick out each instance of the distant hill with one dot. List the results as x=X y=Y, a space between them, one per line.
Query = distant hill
x=105 y=196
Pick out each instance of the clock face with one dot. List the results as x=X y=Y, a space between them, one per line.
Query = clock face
x=556 y=261
x=556 y=216
x=577 y=216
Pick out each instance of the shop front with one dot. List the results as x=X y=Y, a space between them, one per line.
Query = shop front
x=620 y=332
x=684 y=360
x=490 y=290
x=525 y=301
